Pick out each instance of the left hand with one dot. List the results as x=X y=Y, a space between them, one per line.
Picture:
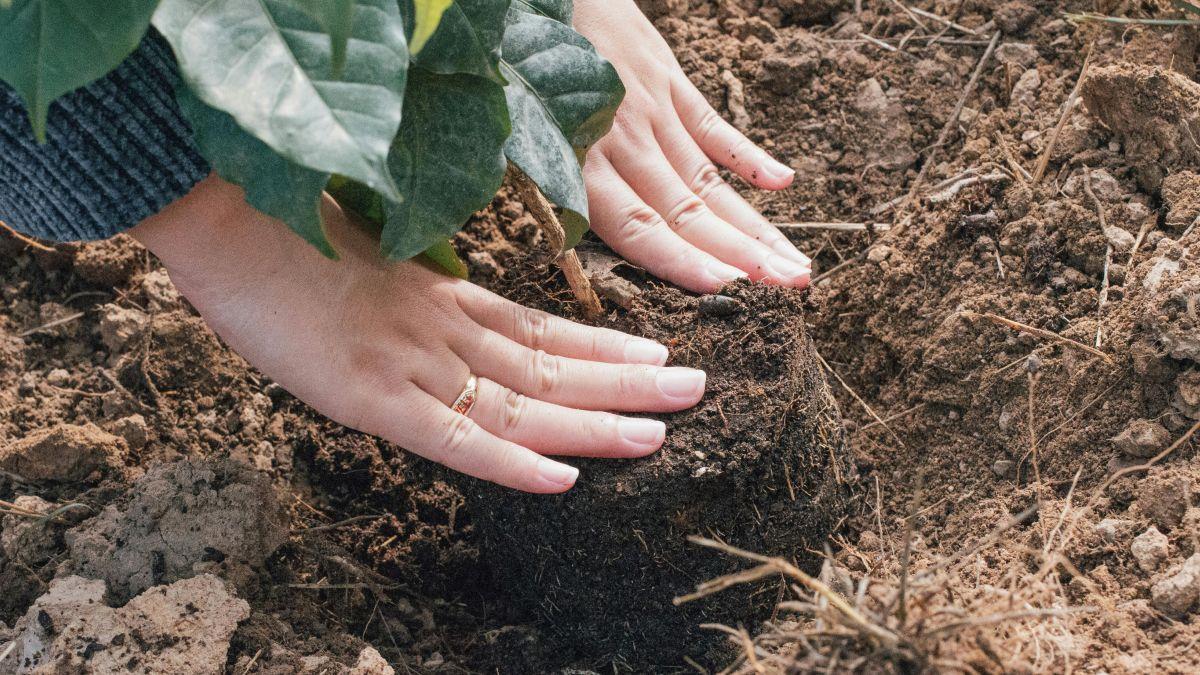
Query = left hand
x=655 y=195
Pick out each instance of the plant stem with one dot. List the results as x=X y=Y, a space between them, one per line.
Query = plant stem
x=567 y=261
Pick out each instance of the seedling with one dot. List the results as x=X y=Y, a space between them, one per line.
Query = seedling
x=408 y=112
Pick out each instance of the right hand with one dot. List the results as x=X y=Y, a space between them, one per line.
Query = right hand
x=385 y=348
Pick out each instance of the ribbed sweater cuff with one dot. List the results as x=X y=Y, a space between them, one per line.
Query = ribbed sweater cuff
x=117 y=152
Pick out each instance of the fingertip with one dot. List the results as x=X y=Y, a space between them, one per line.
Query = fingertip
x=641 y=436
x=554 y=477
x=771 y=174
x=646 y=352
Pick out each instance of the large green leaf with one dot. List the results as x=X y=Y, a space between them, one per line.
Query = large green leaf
x=337 y=19
x=467 y=40
x=559 y=10
x=444 y=256
x=448 y=159
x=277 y=187
x=562 y=97
x=427 y=14
x=269 y=65
x=51 y=47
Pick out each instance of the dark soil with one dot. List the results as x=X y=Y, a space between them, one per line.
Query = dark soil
x=759 y=464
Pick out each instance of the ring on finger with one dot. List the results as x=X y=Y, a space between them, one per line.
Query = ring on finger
x=466 y=400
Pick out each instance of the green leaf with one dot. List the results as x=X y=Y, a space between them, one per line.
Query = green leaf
x=277 y=187
x=358 y=199
x=443 y=255
x=52 y=47
x=448 y=159
x=1186 y=6
x=467 y=40
x=337 y=19
x=427 y=14
x=562 y=97
x=269 y=65
x=559 y=10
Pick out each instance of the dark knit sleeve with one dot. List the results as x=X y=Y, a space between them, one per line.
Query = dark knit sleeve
x=117 y=151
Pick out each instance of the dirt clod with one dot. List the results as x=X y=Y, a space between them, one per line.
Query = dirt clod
x=66 y=453
x=178 y=629
x=1142 y=438
x=1150 y=549
x=175 y=520
x=1176 y=595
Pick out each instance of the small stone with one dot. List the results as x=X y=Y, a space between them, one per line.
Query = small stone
x=1017 y=53
x=118 y=325
x=160 y=291
x=1014 y=17
x=1142 y=438
x=1187 y=394
x=879 y=253
x=1104 y=186
x=1150 y=549
x=1112 y=530
x=1033 y=363
x=1176 y=595
x=58 y=377
x=1118 y=238
x=1164 y=499
x=719 y=305
x=1003 y=467
x=133 y=429
x=1025 y=91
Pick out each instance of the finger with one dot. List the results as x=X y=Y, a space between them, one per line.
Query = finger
x=539 y=330
x=662 y=189
x=722 y=142
x=641 y=236
x=586 y=385
x=436 y=432
x=556 y=430
x=703 y=179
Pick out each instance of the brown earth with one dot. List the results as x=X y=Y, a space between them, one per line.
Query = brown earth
x=995 y=534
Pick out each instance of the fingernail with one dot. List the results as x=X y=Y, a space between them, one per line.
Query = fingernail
x=641 y=431
x=645 y=351
x=787 y=249
x=554 y=472
x=686 y=383
x=776 y=170
x=786 y=269
x=725 y=273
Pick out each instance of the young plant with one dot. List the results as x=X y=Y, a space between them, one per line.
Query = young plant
x=408 y=112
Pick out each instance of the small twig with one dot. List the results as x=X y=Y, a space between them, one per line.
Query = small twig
x=1006 y=616
x=858 y=398
x=344 y=587
x=836 y=227
x=334 y=526
x=892 y=418
x=28 y=241
x=953 y=121
x=1147 y=225
x=1038 y=332
x=945 y=22
x=52 y=324
x=1040 y=170
x=878 y=43
x=1091 y=16
x=1103 y=296
x=771 y=566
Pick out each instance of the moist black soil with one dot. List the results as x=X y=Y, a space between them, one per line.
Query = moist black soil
x=760 y=464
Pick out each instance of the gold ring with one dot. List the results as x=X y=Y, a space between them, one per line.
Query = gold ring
x=466 y=400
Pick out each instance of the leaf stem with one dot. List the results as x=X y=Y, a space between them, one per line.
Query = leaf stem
x=567 y=261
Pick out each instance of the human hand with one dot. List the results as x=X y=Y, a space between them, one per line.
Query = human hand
x=386 y=348
x=655 y=196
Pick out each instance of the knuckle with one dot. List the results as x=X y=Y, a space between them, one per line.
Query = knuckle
x=709 y=122
x=533 y=327
x=707 y=181
x=544 y=375
x=631 y=381
x=515 y=407
x=457 y=435
x=638 y=222
x=686 y=212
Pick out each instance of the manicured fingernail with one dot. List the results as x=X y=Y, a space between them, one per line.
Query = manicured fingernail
x=554 y=472
x=641 y=431
x=725 y=273
x=787 y=249
x=785 y=268
x=686 y=383
x=776 y=170
x=645 y=351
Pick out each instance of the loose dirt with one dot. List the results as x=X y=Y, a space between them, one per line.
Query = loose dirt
x=1004 y=517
